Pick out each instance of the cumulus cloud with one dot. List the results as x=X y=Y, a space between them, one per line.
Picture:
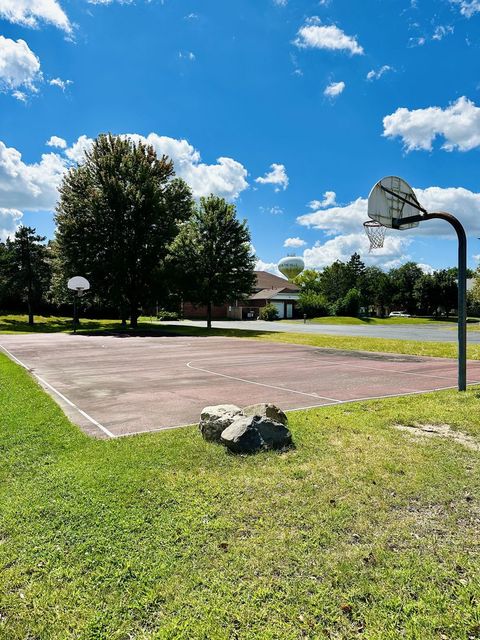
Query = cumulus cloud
x=19 y=67
x=271 y=267
x=31 y=13
x=55 y=141
x=9 y=222
x=329 y=198
x=76 y=153
x=34 y=186
x=467 y=7
x=29 y=186
x=334 y=89
x=294 y=242
x=376 y=74
x=393 y=253
x=61 y=84
x=276 y=176
x=314 y=35
x=458 y=124
x=461 y=202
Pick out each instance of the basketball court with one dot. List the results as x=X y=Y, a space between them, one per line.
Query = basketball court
x=115 y=386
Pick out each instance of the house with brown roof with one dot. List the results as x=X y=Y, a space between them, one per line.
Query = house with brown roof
x=269 y=288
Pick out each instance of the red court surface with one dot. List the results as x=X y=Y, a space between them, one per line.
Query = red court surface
x=115 y=386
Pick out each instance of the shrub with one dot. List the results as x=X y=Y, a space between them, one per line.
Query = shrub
x=167 y=315
x=349 y=305
x=269 y=312
x=313 y=304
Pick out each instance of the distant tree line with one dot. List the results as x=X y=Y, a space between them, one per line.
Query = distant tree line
x=351 y=289
x=135 y=232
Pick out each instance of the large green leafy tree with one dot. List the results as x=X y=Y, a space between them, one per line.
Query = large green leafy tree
x=118 y=212
x=27 y=268
x=212 y=256
x=403 y=283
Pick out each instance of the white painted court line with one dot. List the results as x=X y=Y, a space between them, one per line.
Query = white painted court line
x=60 y=395
x=261 y=384
x=330 y=363
x=310 y=406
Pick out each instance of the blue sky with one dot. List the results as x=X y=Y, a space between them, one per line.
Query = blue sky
x=292 y=109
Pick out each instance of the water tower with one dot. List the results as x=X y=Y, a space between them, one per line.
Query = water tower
x=291 y=267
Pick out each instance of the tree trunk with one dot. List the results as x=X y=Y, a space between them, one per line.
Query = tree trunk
x=209 y=315
x=133 y=315
x=30 y=314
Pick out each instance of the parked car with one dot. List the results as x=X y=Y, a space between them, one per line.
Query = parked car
x=399 y=314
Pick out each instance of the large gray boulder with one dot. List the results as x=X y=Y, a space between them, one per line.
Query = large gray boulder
x=215 y=419
x=267 y=410
x=253 y=433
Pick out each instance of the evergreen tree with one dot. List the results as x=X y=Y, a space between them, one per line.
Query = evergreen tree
x=212 y=256
x=27 y=268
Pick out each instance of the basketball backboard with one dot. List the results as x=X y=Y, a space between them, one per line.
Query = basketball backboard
x=78 y=284
x=391 y=202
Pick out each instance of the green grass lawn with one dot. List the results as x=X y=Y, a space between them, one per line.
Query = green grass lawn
x=361 y=531
x=348 y=320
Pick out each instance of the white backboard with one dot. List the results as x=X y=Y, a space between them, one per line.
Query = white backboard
x=78 y=283
x=385 y=207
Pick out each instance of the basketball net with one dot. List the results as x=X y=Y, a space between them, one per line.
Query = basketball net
x=375 y=233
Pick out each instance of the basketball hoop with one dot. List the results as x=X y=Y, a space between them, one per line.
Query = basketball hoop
x=376 y=234
x=79 y=285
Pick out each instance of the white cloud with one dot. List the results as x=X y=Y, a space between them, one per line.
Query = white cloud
x=29 y=186
x=55 y=141
x=19 y=67
x=461 y=202
x=276 y=176
x=334 y=89
x=314 y=35
x=32 y=12
x=294 y=242
x=342 y=247
x=20 y=95
x=9 y=222
x=459 y=124
x=76 y=153
x=226 y=178
x=377 y=74
x=280 y=3
x=271 y=267
x=61 y=84
x=34 y=186
x=467 y=7
x=426 y=268
x=329 y=199
x=442 y=31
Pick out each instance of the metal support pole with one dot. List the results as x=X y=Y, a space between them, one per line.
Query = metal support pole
x=74 y=313
x=462 y=285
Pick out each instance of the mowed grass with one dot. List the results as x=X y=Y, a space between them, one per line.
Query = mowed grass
x=360 y=531
x=348 y=320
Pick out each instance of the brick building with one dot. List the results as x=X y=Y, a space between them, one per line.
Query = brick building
x=269 y=288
